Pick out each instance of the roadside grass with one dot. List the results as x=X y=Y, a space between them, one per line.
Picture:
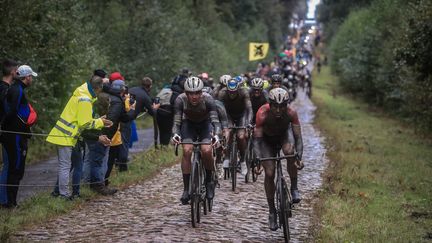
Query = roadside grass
x=378 y=185
x=43 y=207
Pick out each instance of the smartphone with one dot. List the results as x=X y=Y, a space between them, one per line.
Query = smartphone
x=132 y=99
x=157 y=100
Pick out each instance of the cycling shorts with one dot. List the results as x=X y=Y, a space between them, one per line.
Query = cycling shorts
x=196 y=131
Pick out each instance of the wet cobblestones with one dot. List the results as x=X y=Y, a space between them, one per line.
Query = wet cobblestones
x=151 y=211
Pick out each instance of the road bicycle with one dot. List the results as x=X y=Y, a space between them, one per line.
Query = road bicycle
x=197 y=187
x=284 y=203
x=234 y=164
x=250 y=156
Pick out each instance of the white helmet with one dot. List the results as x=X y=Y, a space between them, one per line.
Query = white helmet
x=278 y=96
x=224 y=79
x=257 y=83
x=193 y=84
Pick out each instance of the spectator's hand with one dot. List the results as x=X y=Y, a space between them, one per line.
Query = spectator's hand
x=299 y=164
x=155 y=106
x=103 y=139
x=176 y=139
x=132 y=107
x=215 y=141
x=106 y=122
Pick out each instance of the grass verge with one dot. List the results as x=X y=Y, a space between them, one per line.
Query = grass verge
x=378 y=185
x=43 y=207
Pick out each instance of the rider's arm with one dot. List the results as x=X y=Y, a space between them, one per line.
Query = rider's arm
x=258 y=132
x=214 y=119
x=178 y=113
x=248 y=106
x=296 y=130
x=223 y=118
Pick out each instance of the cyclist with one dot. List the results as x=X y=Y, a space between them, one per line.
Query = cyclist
x=273 y=122
x=223 y=119
x=239 y=110
x=195 y=117
x=276 y=82
x=223 y=83
x=258 y=96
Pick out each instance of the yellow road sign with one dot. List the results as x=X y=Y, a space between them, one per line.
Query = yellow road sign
x=257 y=50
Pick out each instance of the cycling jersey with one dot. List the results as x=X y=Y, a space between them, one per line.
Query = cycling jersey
x=205 y=111
x=238 y=108
x=257 y=102
x=272 y=130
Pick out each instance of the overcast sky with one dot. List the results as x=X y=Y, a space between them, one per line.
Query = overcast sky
x=311 y=7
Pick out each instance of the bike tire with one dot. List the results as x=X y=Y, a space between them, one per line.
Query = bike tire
x=194 y=192
x=248 y=159
x=233 y=166
x=284 y=210
x=254 y=164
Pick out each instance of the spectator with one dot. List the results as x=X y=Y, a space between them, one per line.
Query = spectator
x=165 y=115
x=76 y=116
x=98 y=152
x=9 y=74
x=144 y=102
x=19 y=117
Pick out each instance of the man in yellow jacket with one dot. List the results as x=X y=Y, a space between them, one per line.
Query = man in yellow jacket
x=76 y=116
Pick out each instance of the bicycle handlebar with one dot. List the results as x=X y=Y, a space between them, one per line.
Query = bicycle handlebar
x=193 y=143
x=279 y=158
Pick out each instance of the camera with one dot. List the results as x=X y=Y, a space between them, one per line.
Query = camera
x=157 y=100
x=132 y=99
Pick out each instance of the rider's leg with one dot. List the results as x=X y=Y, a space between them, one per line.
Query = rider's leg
x=269 y=184
x=288 y=149
x=186 y=165
x=242 y=142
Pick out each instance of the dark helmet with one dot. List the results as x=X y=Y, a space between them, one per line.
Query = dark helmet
x=276 y=78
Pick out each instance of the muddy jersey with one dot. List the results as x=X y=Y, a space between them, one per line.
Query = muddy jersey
x=205 y=110
x=239 y=106
x=257 y=102
x=223 y=119
x=271 y=127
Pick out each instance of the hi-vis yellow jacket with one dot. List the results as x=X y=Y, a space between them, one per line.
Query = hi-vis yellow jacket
x=76 y=116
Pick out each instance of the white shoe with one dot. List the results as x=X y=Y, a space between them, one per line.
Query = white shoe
x=243 y=168
x=219 y=171
x=226 y=164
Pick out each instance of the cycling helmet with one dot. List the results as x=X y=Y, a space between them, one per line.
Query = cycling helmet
x=233 y=85
x=193 y=84
x=278 y=96
x=276 y=78
x=257 y=83
x=224 y=79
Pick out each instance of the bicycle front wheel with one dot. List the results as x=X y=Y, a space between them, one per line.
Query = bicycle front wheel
x=284 y=209
x=233 y=165
x=195 y=196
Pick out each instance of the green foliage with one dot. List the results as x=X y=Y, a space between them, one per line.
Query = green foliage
x=378 y=187
x=380 y=54
x=65 y=40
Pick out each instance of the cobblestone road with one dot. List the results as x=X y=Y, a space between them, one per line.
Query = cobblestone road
x=151 y=212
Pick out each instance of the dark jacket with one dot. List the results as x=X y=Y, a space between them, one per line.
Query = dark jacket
x=16 y=100
x=116 y=113
x=143 y=100
x=4 y=87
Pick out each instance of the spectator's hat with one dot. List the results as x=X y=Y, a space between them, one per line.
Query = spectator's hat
x=118 y=85
x=25 y=70
x=116 y=76
x=100 y=72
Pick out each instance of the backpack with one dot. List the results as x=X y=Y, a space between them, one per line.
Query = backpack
x=165 y=97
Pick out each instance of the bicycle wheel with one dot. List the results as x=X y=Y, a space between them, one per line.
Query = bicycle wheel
x=233 y=165
x=248 y=159
x=284 y=210
x=254 y=164
x=195 y=198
